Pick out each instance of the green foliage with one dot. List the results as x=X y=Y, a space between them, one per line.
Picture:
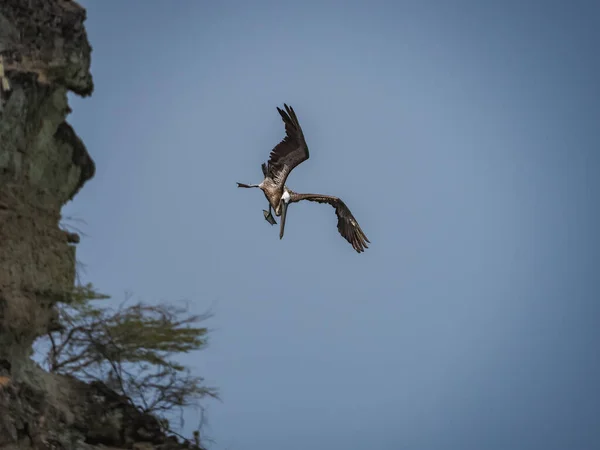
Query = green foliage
x=81 y=296
x=131 y=349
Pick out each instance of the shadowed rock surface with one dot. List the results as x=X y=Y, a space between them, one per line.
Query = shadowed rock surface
x=44 y=53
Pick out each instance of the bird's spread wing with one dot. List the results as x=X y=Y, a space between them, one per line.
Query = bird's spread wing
x=291 y=151
x=347 y=224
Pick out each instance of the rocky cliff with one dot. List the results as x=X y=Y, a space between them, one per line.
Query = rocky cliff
x=44 y=53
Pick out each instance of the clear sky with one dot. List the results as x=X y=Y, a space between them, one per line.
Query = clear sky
x=465 y=138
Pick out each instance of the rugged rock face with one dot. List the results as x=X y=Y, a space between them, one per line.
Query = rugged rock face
x=44 y=53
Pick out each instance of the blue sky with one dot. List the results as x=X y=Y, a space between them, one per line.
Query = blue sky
x=465 y=138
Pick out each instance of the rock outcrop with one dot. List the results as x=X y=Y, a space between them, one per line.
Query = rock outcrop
x=44 y=53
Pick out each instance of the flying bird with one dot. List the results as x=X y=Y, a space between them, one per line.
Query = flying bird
x=286 y=155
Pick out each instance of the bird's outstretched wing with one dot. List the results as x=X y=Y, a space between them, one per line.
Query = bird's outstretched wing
x=291 y=151
x=347 y=224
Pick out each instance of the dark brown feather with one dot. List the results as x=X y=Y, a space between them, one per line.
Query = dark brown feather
x=347 y=224
x=291 y=151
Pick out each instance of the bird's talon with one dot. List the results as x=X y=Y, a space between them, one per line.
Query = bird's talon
x=269 y=217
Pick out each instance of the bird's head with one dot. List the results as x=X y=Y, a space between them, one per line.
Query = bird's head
x=285 y=201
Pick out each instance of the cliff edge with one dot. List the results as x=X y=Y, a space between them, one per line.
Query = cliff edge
x=44 y=53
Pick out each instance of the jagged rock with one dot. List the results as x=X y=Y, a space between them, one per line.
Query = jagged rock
x=57 y=412
x=44 y=53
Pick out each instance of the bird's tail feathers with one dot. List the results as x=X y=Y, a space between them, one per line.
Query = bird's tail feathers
x=243 y=185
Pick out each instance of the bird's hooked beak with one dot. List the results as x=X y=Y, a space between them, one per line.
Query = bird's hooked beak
x=284 y=207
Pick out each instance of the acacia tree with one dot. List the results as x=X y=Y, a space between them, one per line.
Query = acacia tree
x=131 y=349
